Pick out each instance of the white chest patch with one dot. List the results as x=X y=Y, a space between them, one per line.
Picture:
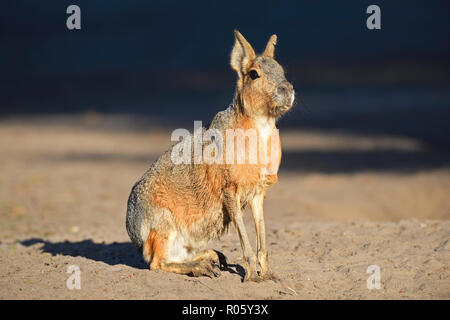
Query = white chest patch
x=268 y=154
x=265 y=128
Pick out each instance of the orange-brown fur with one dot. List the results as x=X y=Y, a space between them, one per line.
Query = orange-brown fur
x=154 y=249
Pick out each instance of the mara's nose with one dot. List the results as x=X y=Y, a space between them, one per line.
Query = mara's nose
x=284 y=88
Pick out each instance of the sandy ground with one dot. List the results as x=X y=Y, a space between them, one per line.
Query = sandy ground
x=343 y=203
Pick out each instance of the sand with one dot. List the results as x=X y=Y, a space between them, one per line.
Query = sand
x=343 y=203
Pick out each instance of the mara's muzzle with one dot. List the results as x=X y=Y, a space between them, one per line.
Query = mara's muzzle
x=283 y=98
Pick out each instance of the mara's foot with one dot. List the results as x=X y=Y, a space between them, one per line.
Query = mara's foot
x=270 y=276
x=199 y=268
x=252 y=277
x=205 y=268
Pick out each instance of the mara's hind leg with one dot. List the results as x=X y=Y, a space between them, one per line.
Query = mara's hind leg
x=204 y=263
x=192 y=268
x=165 y=252
x=153 y=249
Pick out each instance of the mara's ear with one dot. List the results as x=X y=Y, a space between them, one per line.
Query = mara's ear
x=270 y=47
x=241 y=54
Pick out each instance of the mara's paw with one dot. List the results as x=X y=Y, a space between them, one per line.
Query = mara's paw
x=205 y=268
x=270 y=276
x=252 y=277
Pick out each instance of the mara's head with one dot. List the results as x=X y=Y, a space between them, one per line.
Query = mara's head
x=262 y=88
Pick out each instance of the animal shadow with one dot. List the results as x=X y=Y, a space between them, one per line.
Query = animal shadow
x=225 y=266
x=112 y=253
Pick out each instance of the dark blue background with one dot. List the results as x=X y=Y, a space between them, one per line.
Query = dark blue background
x=169 y=59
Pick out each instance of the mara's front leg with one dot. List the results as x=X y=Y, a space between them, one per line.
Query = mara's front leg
x=234 y=208
x=258 y=216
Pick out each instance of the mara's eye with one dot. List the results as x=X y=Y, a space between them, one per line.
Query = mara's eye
x=253 y=74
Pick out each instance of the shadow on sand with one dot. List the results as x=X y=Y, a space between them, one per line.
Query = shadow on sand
x=110 y=253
